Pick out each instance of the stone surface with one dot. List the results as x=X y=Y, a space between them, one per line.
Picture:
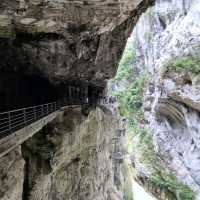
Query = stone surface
x=9 y=143
x=11 y=175
x=165 y=34
x=6 y=27
x=75 y=158
x=67 y=40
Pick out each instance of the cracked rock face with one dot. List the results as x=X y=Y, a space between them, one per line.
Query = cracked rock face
x=66 y=40
x=74 y=158
x=11 y=175
x=167 y=43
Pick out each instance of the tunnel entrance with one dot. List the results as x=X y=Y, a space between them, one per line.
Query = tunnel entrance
x=18 y=91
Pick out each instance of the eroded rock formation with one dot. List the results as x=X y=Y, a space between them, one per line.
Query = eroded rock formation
x=12 y=173
x=167 y=43
x=76 y=157
x=63 y=40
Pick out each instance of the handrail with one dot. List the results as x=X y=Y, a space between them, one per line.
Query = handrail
x=14 y=120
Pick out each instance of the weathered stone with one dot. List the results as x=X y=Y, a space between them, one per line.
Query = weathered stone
x=6 y=27
x=69 y=40
x=167 y=35
x=79 y=162
x=12 y=175
x=169 y=109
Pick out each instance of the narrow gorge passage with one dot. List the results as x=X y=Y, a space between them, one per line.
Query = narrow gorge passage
x=56 y=50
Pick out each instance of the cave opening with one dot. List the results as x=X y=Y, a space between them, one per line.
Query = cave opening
x=19 y=90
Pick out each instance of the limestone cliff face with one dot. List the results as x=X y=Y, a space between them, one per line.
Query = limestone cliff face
x=167 y=44
x=11 y=175
x=66 y=40
x=75 y=157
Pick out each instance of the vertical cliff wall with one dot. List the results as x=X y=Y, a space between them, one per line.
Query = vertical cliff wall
x=166 y=41
x=11 y=175
x=75 y=157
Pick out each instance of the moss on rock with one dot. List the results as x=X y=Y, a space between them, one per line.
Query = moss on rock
x=6 y=28
x=186 y=63
x=127 y=172
x=159 y=174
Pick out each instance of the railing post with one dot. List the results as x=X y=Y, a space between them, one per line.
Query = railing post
x=42 y=111
x=35 y=117
x=47 y=109
x=9 y=122
x=24 y=112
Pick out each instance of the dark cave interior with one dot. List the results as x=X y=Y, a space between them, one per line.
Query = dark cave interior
x=18 y=91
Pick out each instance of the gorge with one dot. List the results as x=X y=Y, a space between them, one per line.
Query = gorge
x=148 y=129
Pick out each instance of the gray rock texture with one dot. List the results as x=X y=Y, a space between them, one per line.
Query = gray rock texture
x=75 y=158
x=11 y=175
x=167 y=44
x=66 y=40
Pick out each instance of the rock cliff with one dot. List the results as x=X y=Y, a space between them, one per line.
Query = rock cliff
x=66 y=40
x=74 y=157
x=46 y=44
x=166 y=44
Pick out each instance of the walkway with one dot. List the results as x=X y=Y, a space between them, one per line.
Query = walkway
x=139 y=193
x=16 y=126
x=14 y=120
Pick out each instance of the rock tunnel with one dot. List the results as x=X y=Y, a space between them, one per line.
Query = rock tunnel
x=21 y=90
x=18 y=91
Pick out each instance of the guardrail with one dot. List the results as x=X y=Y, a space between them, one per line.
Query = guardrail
x=14 y=120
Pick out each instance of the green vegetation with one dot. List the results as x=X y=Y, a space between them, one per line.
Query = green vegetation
x=130 y=99
x=169 y=181
x=131 y=94
x=161 y=176
x=127 y=171
x=187 y=63
x=125 y=66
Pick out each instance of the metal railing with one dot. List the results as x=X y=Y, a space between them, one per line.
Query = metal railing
x=14 y=120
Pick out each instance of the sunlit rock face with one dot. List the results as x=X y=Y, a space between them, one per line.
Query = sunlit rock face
x=75 y=158
x=64 y=40
x=167 y=43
